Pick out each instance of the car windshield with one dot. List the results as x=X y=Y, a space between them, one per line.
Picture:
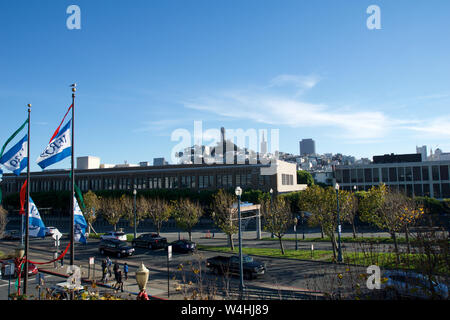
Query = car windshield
x=122 y=244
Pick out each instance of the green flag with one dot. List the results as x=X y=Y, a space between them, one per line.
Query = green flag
x=6 y=143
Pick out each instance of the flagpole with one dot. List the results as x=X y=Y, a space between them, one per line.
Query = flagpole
x=72 y=247
x=27 y=217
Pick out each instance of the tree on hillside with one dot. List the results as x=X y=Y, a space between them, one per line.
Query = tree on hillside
x=277 y=218
x=304 y=177
x=187 y=214
x=225 y=214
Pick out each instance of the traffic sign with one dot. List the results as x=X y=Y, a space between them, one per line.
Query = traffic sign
x=169 y=253
x=56 y=235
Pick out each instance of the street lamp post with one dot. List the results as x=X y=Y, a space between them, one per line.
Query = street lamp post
x=134 y=210
x=271 y=200
x=142 y=279
x=339 y=259
x=238 y=192
x=295 y=229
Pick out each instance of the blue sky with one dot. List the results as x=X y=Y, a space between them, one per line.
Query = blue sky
x=311 y=69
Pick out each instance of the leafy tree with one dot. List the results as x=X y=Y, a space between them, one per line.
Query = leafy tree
x=389 y=210
x=159 y=211
x=187 y=214
x=92 y=207
x=277 y=218
x=322 y=204
x=3 y=220
x=304 y=177
x=225 y=214
x=111 y=209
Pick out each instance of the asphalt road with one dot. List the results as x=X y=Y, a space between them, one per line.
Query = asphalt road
x=282 y=274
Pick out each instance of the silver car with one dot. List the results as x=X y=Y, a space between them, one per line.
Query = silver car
x=412 y=285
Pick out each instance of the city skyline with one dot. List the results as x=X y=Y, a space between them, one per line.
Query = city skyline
x=307 y=70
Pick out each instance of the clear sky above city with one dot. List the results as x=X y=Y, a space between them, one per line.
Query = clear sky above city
x=311 y=69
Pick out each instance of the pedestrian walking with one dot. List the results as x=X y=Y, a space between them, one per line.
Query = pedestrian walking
x=125 y=270
x=119 y=284
x=116 y=270
x=108 y=265
x=104 y=270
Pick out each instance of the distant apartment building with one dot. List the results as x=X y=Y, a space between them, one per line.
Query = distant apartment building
x=307 y=147
x=405 y=173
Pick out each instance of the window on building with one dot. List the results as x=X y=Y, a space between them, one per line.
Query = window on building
x=426 y=190
x=401 y=174
x=353 y=175
x=393 y=174
x=435 y=173
x=360 y=175
x=408 y=173
x=437 y=190
x=417 y=174
x=346 y=175
x=367 y=175
x=425 y=175
x=446 y=190
x=384 y=175
x=444 y=173
x=418 y=192
x=376 y=175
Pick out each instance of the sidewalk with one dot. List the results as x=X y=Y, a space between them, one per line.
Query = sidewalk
x=156 y=290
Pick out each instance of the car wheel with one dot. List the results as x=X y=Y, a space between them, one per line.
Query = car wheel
x=102 y=251
x=150 y=246
x=119 y=255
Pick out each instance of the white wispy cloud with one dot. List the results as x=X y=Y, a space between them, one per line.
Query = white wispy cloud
x=287 y=109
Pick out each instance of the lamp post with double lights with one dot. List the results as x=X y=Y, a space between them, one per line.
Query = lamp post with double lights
x=238 y=192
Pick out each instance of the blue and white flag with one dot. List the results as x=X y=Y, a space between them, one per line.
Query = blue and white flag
x=36 y=227
x=58 y=149
x=16 y=158
x=79 y=223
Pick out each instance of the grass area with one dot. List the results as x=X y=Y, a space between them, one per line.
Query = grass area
x=130 y=236
x=382 y=259
x=320 y=255
x=374 y=240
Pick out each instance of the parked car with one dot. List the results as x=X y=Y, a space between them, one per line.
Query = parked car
x=224 y=265
x=118 y=235
x=49 y=231
x=412 y=285
x=183 y=246
x=11 y=235
x=117 y=247
x=32 y=269
x=150 y=241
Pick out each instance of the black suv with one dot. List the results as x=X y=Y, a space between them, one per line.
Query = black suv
x=117 y=247
x=150 y=240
